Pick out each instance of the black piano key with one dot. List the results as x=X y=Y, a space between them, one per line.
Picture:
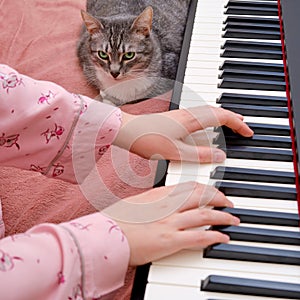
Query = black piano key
x=254 y=141
x=270 y=129
x=256 y=190
x=256 y=254
x=252 y=45
x=249 y=174
x=260 y=8
x=249 y=99
x=245 y=152
x=249 y=53
x=252 y=19
x=252 y=84
x=257 y=110
x=251 y=34
x=254 y=216
x=251 y=25
x=239 y=52
x=251 y=74
x=252 y=3
x=260 y=235
x=245 y=286
x=260 y=128
x=256 y=66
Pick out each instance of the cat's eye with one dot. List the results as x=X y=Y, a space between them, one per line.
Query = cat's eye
x=103 y=55
x=128 y=55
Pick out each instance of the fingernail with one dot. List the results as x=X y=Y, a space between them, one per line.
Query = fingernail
x=226 y=238
x=219 y=156
x=236 y=221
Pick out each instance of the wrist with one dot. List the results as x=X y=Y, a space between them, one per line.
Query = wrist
x=125 y=136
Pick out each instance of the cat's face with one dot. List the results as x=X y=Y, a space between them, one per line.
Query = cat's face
x=121 y=49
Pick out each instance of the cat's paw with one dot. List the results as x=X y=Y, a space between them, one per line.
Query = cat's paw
x=99 y=98
x=108 y=102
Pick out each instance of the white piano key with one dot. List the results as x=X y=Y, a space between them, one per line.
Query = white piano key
x=194 y=100
x=190 y=168
x=194 y=259
x=198 y=79
x=192 y=276
x=289 y=206
x=266 y=245
x=203 y=170
x=202 y=88
x=214 y=62
x=205 y=44
x=205 y=179
x=265 y=204
x=199 y=72
x=273 y=227
x=164 y=291
x=278 y=121
x=218 y=4
x=215 y=31
x=196 y=50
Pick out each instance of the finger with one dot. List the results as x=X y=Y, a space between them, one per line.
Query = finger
x=240 y=116
x=199 y=154
x=201 y=195
x=208 y=116
x=235 y=122
x=200 y=238
x=202 y=217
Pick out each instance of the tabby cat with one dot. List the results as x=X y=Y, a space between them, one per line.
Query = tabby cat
x=129 y=49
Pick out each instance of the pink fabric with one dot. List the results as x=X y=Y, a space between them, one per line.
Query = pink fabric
x=40 y=123
x=2 y=226
x=38 y=38
x=86 y=248
x=68 y=261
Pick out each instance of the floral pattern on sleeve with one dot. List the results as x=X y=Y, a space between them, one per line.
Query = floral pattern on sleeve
x=37 y=124
x=10 y=80
x=41 y=119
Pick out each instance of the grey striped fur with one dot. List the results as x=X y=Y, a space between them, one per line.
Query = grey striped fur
x=153 y=67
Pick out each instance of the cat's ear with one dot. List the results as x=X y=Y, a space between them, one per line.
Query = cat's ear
x=92 y=24
x=143 y=23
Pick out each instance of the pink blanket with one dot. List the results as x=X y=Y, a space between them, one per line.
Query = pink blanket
x=38 y=38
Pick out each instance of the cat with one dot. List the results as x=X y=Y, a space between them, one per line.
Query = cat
x=129 y=49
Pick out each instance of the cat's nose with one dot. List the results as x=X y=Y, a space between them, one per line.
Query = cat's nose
x=114 y=74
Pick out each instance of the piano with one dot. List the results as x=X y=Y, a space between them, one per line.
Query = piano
x=243 y=55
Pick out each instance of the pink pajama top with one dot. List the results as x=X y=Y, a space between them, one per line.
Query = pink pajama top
x=44 y=128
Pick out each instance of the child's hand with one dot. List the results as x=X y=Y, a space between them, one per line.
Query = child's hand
x=163 y=135
x=150 y=241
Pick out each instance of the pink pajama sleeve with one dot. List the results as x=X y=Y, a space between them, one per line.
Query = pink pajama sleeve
x=46 y=129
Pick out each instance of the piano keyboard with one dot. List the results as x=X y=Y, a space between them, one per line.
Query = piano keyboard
x=235 y=57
